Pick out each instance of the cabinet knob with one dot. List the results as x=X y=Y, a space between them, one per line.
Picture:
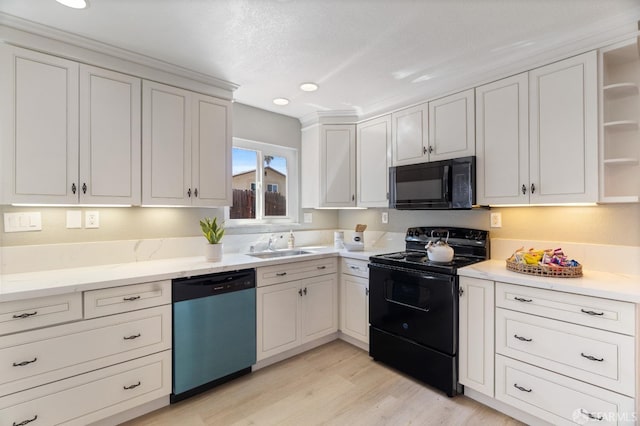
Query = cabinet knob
x=305 y=291
x=366 y=291
x=353 y=197
x=84 y=188
x=195 y=192
x=430 y=149
x=73 y=188
x=524 y=189
x=460 y=291
x=189 y=192
x=424 y=150
x=533 y=188
x=300 y=292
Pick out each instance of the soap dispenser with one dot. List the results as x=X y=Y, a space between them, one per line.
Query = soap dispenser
x=291 y=242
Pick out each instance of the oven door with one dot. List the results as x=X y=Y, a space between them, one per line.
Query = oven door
x=417 y=305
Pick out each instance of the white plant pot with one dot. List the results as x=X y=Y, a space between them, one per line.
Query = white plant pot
x=213 y=252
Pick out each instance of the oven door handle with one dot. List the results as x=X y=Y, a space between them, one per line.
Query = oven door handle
x=427 y=309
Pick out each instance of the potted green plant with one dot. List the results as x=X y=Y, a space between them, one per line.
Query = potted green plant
x=213 y=233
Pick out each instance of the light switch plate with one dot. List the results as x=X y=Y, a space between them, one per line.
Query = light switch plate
x=385 y=217
x=74 y=219
x=22 y=222
x=91 y=219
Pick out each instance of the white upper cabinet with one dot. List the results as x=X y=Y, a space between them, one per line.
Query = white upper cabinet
x=211 y=151
x=72 y=132
x=410 y=135
x=329 y=166
x=166 y=145
x=373 y=151
x=540 y=146
x=452 y=126
x=563 y=132
x=109 y=137
x=39 y=127
x=502 y=141
x=186 y=147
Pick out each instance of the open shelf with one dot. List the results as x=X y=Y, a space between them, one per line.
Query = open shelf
x=620 y=89
x=621 y=125
x=621 y=162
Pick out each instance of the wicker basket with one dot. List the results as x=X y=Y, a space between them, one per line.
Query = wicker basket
x=546 y=271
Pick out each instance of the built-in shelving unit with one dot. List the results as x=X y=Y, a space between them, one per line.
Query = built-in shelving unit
x=619 y=130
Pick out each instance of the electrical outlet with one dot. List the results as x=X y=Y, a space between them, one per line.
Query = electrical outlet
x=385 y=217
x=74 y=219
x=496 y=220
x=91 y=219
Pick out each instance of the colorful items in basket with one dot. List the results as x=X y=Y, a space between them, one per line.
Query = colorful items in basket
x=550 y=258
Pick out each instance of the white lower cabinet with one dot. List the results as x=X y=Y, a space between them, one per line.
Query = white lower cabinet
x=558 y=399
x=354 y=299
x=476 y=334
x=76 y=370
x=295 y=312
x=86 y=398
x=560 y=357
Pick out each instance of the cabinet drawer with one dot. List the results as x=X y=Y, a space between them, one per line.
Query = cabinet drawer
x=115 y=300
x=27 y=314
x=89 y=397
x=558 y=399
x=359 y=268
x=595 y=312
x=599 y=357
x=276 y=274
x=42 y=356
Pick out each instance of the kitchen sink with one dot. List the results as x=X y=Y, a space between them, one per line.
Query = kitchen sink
x=278 y=253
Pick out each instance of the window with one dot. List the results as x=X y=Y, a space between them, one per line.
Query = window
x=265 y=183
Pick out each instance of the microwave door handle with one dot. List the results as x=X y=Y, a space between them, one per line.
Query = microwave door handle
x=445 y=181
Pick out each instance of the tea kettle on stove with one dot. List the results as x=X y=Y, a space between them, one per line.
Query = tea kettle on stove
x=438 y=250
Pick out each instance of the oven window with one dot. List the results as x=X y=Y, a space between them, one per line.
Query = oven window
x=408 y=293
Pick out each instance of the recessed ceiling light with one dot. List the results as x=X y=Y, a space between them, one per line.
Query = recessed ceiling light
x=76 y=4
x=281 y=101
x=308 y=87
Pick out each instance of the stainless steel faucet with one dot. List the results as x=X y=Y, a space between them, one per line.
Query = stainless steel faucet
x=271 y=243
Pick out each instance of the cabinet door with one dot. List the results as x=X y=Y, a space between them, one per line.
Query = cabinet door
x=338 y=166
x=502 y=141
x=319 y=306
x=166 y=145
x=373 y=154
x=211 y=151
x=39 y=124
x=452 y=127
x=278 y=321
x=476 y=334
x=564 y=131
x=354 y=303
x=109 y=137
x=409 y=137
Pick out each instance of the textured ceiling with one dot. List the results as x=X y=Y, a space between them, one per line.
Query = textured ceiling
x=366 y=55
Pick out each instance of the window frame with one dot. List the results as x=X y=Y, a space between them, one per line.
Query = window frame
x=292 y=183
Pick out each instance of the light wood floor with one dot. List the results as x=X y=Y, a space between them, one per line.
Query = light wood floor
x=335 y=384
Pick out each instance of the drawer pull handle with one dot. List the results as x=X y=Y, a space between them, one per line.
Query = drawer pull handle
x=23 y=363
x=520 y=388
x=591 y=416
x=130 y=299
x=522 y=299
x=26 y=314
x=133 y=336
x=132 y=386
x=524 y=339
x=26 y=422
x=322 y=267
x=592 y=312
x=280 y=274
x=591 y=358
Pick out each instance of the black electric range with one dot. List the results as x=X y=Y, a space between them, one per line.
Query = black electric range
x=413 y=305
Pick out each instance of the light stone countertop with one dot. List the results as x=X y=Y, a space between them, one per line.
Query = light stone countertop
x=607 y=285
x=30 y=285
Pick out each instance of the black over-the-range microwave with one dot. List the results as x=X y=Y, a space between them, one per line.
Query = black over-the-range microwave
x=446 y=184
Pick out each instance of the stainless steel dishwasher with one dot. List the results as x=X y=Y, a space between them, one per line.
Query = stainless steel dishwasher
x=214 y=330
